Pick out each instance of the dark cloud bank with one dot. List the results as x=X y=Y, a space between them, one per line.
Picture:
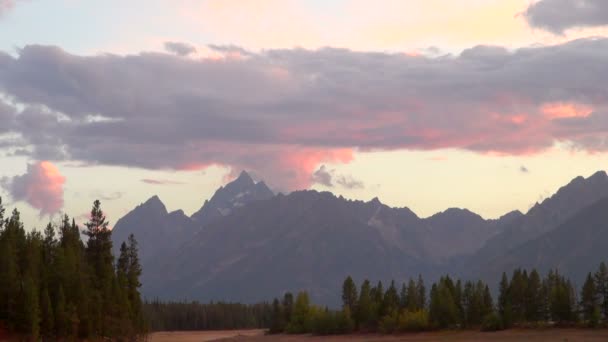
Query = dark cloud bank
x=283 y=113
x=559 y=15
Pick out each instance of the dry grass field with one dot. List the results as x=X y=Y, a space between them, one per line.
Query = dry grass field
x=198 y=336
x=551 y=335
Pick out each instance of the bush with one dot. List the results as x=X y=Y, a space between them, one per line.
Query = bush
x=491 y=322
x=389 y=323
x=414 y=321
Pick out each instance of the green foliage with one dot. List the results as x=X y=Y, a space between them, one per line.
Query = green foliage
x=52 y=287
x=170 y=316
x=492 y=322
x=301 y=320
x=413 y=321
x=349 y=294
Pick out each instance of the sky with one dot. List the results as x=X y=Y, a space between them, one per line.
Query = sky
x=489 y=105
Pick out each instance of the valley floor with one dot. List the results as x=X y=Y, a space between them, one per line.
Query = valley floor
x=200 y=336
x=569 y=335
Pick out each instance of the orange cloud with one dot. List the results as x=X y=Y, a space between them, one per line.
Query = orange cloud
x=559 y=110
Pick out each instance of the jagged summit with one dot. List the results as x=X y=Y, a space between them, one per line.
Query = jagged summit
x=154 y=203
x=233 y=195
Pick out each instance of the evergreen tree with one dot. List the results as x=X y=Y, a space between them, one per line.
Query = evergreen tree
x=47 y=324
x=601 y=279
x=365 y=309
x=421 y=289
x=349 y=294
x=300 y=320
x=28 y=314
x=288 y=306
x=504 y=302
x=589 y=300
x=390 y=302
x=534 y=301
x=278 y=318
x=403 y=297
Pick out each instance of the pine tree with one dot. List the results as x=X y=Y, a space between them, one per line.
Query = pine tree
x=29 y=309
x=301 y=319
x=47 y=324
x=403 y=297
x=601 y=279
x=504 y=302
x=534 y=298
x=421 y=289
x=288 y=306
x=278 y=318
x=390 y=302
x=365 y=315
x=99 y=254
x=589 y=300
x=487 y=302
x=349 y=294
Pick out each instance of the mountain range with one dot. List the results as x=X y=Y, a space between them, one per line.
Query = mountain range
x=248 y=244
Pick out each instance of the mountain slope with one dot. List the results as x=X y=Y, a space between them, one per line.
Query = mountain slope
x=576 y=247
x=236 y=194
x=305 y=240
x=156 y=230
x=548 y=215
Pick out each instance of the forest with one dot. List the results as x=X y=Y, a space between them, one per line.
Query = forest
x=54 y=286
x=524 y=300
x=190 y=316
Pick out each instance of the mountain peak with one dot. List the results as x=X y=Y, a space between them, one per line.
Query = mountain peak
x=600 y=175
x=155 y=203
x=244 y=176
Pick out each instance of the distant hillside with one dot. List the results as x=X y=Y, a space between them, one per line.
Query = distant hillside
x=310 y=240
x=575 y=247
x=541 y=219
x=246 y=244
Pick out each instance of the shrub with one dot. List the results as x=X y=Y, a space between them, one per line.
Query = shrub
x=414 y=321
x=389 y=323
x=491 y=322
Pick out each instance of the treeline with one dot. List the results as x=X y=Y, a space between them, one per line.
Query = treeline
x=169 y=316
x=53 y=286
x=525 y=300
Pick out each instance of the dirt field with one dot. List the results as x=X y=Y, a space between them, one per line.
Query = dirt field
x=554 y=335
x=198 y=336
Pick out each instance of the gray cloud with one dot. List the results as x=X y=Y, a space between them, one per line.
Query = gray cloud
x=180 y=49
x=323 y=176
x=283 y=113
x=523 y=169
x=349 y=182
x=160 y=181
x=559 y=15
x=107 y=196
x=327 y=177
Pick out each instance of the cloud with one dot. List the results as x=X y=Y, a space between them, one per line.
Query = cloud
x=284 y=113
x=328 y=178
x=180 y=49
x=107 y=196
x=41 y=187
x=559 y=15
x=7 y=5
x=349 y=182
x=160 y=181
x=523 y=169
x=322 y=176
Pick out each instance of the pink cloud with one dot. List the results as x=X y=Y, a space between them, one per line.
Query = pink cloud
x=557 y=110
x=41 y=187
